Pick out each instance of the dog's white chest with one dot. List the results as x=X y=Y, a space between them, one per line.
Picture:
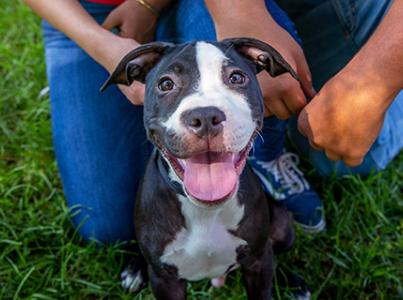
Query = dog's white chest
x=205 y=248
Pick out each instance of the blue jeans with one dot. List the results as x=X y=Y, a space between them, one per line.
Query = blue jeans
x=99 y=139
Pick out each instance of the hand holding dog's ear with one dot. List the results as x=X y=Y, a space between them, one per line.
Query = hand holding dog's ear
x=133 y=21
x=135 y=65
x=136 y=26
x=134 y=92
x=284 y=96
x=131 y=71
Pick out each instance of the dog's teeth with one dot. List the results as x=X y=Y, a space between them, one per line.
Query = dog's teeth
x=182 y=162
x=233 y=157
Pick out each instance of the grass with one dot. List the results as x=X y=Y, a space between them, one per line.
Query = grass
x=359 y=257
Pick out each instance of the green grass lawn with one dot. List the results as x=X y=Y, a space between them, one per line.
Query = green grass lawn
x=360 y=256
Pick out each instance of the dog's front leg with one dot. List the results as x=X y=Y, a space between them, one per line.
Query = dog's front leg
x=257 y=275
x=167 y=288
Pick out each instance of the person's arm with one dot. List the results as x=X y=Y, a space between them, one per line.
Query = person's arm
x=346 y=116
x=283 y=95
x=70 y=17
x=135 y=20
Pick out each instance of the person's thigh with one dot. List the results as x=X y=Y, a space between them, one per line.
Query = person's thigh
x=99 y=140
x=332 y=32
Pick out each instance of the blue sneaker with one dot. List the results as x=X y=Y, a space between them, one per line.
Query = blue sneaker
x=282 y=179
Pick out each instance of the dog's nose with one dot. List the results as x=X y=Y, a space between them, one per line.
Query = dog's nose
x=204 y=121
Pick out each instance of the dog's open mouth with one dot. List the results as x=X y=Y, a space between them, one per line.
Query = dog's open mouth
x=210 y=177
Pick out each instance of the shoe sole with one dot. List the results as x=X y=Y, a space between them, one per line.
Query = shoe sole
x=313 y=229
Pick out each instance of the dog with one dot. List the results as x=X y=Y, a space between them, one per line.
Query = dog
x=200 y=211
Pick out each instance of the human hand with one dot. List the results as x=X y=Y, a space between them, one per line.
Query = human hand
x=117 y=47
x=136 y=23
x=133 y=21
x=345 y=117
x=283 y=95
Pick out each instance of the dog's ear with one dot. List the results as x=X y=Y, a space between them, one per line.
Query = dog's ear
x=264 y=56
x=136 y=64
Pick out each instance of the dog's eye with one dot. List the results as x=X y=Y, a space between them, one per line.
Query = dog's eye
x=237 y=78
x=166 y=84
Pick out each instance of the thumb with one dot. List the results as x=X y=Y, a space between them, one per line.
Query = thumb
x=111 y=21
x=138 y=91
x=134 y=93
x=353 y=161
x=303 y=124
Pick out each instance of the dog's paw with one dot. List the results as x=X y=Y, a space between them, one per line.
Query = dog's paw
x=132 y=279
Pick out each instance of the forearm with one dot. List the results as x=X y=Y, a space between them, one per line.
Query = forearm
x=70 y=17
x=159 y=4
x=283 y=96
x=379 y=64
x=246 y=13
x=102 y=45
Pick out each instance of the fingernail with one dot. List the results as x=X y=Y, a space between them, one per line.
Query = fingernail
x=309 y=78
x=313 y=91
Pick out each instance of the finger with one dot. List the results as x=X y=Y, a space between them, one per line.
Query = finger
x=353 y=161
x=294 y=99
x=111 y=21
x=134 y=93
x=303 y=125
x=315 y=146
x=278 y=108
x=332 y=155
x=267 y=112
x=305 y=77
x=125 y=32
x=139 y=90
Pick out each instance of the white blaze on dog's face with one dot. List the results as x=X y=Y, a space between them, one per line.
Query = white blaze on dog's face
x=211 y=91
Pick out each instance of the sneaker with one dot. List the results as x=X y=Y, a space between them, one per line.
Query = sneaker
x=282 y=179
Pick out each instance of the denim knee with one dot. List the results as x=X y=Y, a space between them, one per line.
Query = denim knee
x=97 y=226
x=99 y=140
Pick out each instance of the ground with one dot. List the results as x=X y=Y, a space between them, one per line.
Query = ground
x=359 y=256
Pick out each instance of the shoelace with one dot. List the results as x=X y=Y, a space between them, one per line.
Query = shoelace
x=285 y=170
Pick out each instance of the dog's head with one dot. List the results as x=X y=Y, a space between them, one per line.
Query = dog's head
x=203 y=107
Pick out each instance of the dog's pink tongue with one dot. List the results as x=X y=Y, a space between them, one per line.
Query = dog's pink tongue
x=210 y=177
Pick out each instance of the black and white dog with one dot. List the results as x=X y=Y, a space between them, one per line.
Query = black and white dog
x=200 y=213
